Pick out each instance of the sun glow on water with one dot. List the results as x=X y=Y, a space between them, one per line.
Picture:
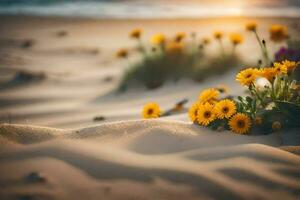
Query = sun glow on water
x=156 y=8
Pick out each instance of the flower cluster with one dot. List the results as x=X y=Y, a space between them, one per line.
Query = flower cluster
x=172 y=57
x=216 y=113
x=272 y=100
x=272 y=103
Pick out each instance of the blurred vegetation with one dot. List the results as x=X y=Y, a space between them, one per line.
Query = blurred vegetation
x=181 y=56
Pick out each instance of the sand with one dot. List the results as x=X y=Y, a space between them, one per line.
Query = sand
x=51 y=148
x=145 y=159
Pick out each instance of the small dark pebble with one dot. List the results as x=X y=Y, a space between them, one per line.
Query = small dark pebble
x=61 y=33
x=94 y=51
x=27 y=43
x=99 y=118
x=35 y=177
x=108 y=79
x=29 y=76
x=107 y=189
x=25 y=197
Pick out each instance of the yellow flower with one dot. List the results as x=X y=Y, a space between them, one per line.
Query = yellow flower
x=247 y=76
x=280 y=68
x=251 y=26
x=276 y=125
x=205 y=41
x=179 y=36
x=174 y=48
x=212 y=102
x=290 y=65
x=151 y=110
x=218 y=35
x=193 y=111
x=225 y=109
x=278 y=33
x=158 y=39
x=209 y=95
x=240 y=123
x=135 y=33
x=222 y=88
x=236 y=38
x=205 y=114
x=122 y=53
x=268 y=73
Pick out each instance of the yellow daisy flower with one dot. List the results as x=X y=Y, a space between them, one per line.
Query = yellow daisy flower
x=268 y=73
x=278 y=33
x=236 y=38
x=218 y=35
x=225 y=109
x=290 y=65
x=240 y=123
x=151 y=110
x=205 y=41
x=205 y=114
x=247 y=76
x=193 y=111
x=179 y=36
x=251 y=26
x=212 y=102
x=122 y=53
x=209 y=95
x=135 y=33
x=174 y=48
x=280 y=68
x=158 y=39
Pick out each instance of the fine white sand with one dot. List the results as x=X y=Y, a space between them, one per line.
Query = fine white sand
x=124 y=157
x=145 y=159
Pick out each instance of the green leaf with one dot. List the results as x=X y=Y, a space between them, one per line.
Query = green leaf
x=249 y=99
x=240 y=98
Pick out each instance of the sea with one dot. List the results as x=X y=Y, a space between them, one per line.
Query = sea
x=151 y=8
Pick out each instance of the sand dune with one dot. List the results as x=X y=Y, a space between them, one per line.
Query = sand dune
x=157 y=159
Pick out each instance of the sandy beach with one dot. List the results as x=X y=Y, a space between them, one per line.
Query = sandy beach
x=51 y=146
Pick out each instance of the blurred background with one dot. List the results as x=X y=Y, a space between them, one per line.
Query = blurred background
x=152 y=8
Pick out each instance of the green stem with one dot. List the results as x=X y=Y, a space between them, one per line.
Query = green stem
x=272 y=92
x=141 y=47
x=222 y=48
x=262 y=48
x=266 y=54
x=233 y=50
x=258 y=96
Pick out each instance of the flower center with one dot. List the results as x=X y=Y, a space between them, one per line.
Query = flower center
x=241 y=123
x=207 y=114
x=225 y=110
x=248 y=75
x=150 y=111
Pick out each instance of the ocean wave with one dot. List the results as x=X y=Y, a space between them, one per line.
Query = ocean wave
x=142 y=9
